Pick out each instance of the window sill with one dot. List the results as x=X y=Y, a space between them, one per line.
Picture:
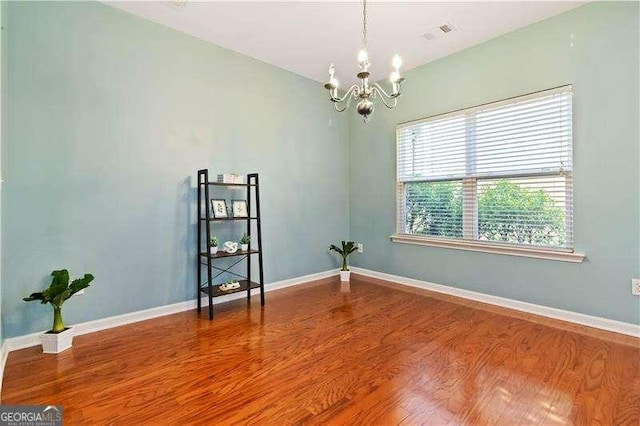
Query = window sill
x=535 y=252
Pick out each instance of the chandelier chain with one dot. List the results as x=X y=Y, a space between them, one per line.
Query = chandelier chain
x=364 y=24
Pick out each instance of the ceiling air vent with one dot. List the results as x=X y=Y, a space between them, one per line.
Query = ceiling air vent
x=439 y=31
x=446 y=28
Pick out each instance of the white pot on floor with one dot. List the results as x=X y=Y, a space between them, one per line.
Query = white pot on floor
x=345 y=275
x=54 y=343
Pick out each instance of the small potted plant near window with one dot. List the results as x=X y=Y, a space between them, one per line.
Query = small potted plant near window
x=59 y=338
x=213 y=244
x=244 y=242
x=348 y=247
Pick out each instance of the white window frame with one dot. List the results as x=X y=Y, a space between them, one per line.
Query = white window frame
x=469 y=185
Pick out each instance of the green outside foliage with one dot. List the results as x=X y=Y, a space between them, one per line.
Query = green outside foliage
x=434 y=208
x=507 y=212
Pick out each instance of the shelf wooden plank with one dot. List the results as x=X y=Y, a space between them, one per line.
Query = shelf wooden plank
x=231 y=184
x=223 y=219
x=216 y=292
x=221 y=254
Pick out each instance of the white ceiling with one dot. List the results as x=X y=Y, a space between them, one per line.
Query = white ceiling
x=304 y=37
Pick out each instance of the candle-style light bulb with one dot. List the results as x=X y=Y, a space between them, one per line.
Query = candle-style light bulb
x=397 y=61
x=332 y=70
x=334 y=82
x=363 y=59
x=394 y=77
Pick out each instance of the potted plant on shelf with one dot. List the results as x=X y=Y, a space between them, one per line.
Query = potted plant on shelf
x=244 y=242
x=213 y=244
x=59 y=337
x=348 y=247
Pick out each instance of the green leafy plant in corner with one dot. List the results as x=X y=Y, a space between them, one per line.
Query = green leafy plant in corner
x=58 y=292
x=245 y=239
x=348 y=247
x=213 y=241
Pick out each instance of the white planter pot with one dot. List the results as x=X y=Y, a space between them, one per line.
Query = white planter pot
x=213 y=250
x=345 y=275
x=54 y=343
x=244 y=247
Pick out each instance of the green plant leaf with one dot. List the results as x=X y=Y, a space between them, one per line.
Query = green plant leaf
x=35 y=296
x=59 y=283
x=80 y=283
x=59 y=299
x=60 y=290
x=335 y=248
x=348 y=247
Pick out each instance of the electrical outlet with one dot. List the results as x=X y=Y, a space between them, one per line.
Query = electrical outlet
x=360 y=248
x=635 y=286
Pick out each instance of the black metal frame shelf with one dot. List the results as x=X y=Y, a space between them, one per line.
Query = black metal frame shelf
x=209 y=288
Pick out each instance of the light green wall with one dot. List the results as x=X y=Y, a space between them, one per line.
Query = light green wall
x=110 y=118
x=594 y=47
x=3 y=52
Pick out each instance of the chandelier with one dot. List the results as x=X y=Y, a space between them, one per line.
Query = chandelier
x=365 y=91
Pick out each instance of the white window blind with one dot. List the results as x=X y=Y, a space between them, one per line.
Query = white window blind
x=500 y=172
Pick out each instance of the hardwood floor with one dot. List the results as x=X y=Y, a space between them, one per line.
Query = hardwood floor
x=314 y=354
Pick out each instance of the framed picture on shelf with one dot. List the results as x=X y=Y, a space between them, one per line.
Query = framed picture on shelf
x=239 y=208
x=219 y=209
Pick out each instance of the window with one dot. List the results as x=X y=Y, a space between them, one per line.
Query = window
x=495 y=175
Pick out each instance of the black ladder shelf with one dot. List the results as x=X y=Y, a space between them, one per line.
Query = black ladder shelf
x=209 y=288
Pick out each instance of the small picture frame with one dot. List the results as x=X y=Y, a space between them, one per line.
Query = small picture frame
x=219 y=209
x=239 y=208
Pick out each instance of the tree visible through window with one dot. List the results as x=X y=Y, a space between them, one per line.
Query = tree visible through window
x=434 y=209
x=498 y=173
x=510 y=213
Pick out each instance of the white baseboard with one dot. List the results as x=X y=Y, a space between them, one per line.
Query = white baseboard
x=33 y=339
x=575 y=317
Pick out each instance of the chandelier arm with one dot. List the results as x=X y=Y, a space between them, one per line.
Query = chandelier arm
x=352 y=93
x=347 y=96
x=343 y=109
x=382 y=91
x=384 y=96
